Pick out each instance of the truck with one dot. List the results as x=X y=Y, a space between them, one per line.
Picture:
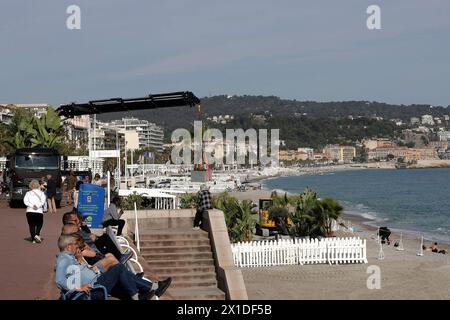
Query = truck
x=27 y=164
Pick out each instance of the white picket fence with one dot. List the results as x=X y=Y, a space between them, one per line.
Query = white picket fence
x=299 y=251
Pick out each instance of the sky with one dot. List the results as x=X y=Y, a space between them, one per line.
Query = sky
x=305 y=50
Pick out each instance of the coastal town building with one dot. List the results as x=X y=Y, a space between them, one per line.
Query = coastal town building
x=427 y=120
x=341 y=154
x=443 y=135
x=77 y=129
x=378 y=143
x=5 y=115
x=150 y=135
x=37 y=109
x=407 y=154
x=415 y=120
x=301 y=154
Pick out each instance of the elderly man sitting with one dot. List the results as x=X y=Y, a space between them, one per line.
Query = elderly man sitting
x=72 y=273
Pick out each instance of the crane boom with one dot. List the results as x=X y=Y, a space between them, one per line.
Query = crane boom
x=152 y=101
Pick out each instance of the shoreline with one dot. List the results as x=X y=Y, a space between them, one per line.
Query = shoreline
x=357 y=218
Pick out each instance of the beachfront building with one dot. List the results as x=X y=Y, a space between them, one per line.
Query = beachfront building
x=341 y=154
x=301 y=154
x=150 y=135
x=408 y=154
x=378 y=143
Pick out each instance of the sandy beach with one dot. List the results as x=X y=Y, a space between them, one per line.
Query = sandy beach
x=404 y=274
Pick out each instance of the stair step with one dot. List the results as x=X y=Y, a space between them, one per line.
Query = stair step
x=189 y=276
x=181 y=270
x=174 y=242
x=174 y=233
x=176 y=249
x=197 y=293
x=177 y=256
x=209 y=283
x=180 y=263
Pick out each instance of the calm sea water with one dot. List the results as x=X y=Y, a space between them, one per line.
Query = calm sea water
x=412 y=200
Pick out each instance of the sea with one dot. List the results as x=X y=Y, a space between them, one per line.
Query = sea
x=416 y=201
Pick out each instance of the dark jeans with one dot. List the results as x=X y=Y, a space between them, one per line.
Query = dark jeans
x=198 y=217
x=120 y=223
x=105 y=245
x=121 y=283
x=35 y=222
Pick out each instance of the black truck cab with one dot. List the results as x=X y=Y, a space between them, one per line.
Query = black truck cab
x=28 y=164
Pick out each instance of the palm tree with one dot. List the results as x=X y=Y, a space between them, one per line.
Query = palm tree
x=238 y=216
x=28 y=131
x=304 y=216
x=331 y=210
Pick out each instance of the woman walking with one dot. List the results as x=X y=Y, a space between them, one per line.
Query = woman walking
x=51 y=193
x=34 y=200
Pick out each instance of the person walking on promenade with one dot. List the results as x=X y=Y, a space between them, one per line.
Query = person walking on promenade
x=204 y=202
x=35 y=200
x=111 y=217
x=51 y=193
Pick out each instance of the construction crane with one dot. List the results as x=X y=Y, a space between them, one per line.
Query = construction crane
x=152 y=101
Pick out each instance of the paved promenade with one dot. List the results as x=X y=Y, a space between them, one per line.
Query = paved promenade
x=26 y=269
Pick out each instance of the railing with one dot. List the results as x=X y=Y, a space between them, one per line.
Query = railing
x=299 y=251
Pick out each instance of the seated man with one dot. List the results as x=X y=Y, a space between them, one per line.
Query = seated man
x=73 y=274
x=91 y=255
x=111 y=217
x=101 y=244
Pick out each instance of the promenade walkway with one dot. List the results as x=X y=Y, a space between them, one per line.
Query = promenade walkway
x=26 y=269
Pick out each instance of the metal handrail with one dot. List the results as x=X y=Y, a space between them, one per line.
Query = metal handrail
x=136 y=229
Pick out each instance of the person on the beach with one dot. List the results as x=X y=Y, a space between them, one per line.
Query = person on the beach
x=434 y=248
x=204 y=202
x=34 y=200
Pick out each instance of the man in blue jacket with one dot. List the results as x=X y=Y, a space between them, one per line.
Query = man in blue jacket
x=73 y=275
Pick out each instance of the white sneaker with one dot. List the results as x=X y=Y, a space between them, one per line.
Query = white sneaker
x=196 y=228
x=37 y=239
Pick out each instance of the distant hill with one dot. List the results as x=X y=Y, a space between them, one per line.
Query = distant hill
x=182 y=117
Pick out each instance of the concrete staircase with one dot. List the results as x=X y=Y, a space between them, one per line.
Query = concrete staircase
x=186 y=256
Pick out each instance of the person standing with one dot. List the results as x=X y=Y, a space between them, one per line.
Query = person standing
x=35 y=200
x=70 y=183
x=204 y=202
x=76 y=194
x=111 y=217
x=51 y=193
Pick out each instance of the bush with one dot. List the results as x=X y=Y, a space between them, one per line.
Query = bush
x=188 y=201
x=238 y=217
x=128 y=201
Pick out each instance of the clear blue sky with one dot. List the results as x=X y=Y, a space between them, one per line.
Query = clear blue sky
x=307 y=50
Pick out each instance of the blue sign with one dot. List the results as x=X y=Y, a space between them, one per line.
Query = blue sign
x=91 y=204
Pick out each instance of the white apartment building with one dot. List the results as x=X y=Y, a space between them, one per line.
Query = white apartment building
x=150 y=135
x=427 y=120
x=443 y=135
x=38 y=109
